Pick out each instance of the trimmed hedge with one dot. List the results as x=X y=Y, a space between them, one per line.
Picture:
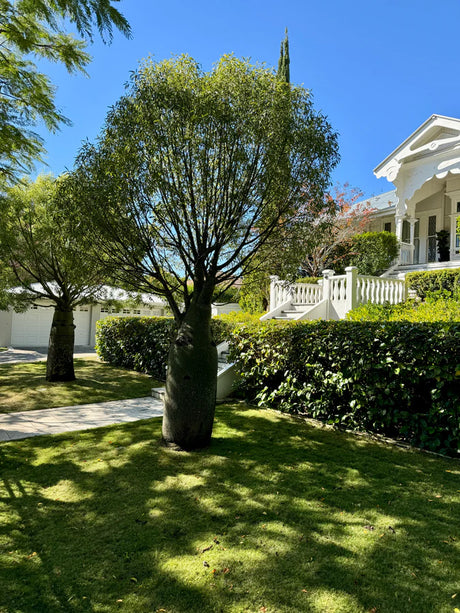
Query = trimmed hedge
x=394 y=378
x=434 y=281
x=397 y=378
x=137 y=343
x=440 y=309
x=142 y=343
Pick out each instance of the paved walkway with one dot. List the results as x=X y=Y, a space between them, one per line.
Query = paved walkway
x=38 y=354
x=14 y=426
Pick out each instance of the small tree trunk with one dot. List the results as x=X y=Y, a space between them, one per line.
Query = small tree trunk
x=59 y=365
x=191 y=382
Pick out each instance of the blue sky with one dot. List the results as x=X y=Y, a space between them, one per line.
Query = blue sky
x=376 y=69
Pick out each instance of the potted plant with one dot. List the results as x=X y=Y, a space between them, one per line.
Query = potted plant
x=442 y=239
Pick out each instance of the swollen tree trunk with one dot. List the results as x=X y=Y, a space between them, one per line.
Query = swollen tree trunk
x=191 y=382
x=59 y=365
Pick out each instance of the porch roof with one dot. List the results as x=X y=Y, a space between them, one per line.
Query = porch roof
x=382 y=202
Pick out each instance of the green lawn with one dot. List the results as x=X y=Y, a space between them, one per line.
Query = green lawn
x=276 y=516
x=23 y=386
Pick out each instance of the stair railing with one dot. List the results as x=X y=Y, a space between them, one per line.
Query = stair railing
x=343 y=293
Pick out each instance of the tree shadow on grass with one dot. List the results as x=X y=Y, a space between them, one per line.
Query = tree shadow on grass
x=275 y=514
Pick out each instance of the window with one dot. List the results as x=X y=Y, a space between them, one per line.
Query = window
x=405 y=231
x=34 y=307
x=83 y=308
x=431 y=241
x=387 y=226
x=417 y=242
x=458 y=207
x=126 y=311
x=104 y=310
x=136 y=312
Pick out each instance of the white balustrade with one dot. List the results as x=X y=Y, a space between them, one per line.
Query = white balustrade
x=298 y=293
x=343 y=292
x=307 y=293
x=378 y=290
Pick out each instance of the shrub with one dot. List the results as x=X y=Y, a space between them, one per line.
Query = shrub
x=137 y=343
x=442 y=240
x=142 y=343
x=255 y=292
x=373 y=252
x=432 y=281
x=394 y=378
x=440 y=309
x=313 y=280
x=231 y=294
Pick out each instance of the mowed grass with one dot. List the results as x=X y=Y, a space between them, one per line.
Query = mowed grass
x=23 y=386
x=276 y=516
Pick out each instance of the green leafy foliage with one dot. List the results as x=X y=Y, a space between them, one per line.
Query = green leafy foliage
x=142 y=343
x=43 y=251
x=192 y=174
x=137 y=343
x=313 y=280
x=35 y=29
x=255 y=291
x=424 y=283
x=433 y=309
x=398 y=379
x=373 y=252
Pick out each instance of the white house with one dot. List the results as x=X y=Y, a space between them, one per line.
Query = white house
x=32 y=328
x=425 y=170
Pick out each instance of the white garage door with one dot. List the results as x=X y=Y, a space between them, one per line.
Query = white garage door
x=81 y=319
x=32 y=328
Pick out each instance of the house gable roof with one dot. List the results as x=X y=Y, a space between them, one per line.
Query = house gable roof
x=437 y=133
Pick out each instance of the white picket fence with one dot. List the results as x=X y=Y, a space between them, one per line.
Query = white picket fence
x=337 y=294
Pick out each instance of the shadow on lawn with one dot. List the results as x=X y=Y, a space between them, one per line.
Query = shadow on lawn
x=290 y=518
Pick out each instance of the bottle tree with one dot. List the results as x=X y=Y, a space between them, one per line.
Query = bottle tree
x=191 y=174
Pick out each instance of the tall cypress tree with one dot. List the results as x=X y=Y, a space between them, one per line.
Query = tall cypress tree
x=283 y=63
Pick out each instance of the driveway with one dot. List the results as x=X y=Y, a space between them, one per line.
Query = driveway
x=14 y=355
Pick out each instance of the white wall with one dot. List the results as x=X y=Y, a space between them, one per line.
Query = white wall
x=5 y=328
x=221 y=309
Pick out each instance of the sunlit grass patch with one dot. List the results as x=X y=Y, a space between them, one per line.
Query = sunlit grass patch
x=275 y=516
x=23 y=386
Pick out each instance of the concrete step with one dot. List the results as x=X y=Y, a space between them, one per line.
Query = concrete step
x=406 y=268
x=301 y=307
x=158 y=393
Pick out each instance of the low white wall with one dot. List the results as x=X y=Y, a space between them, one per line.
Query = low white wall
x=223 y=309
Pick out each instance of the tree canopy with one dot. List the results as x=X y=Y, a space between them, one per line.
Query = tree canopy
x=35 y=29
x=192 y=173
x=44 y=255
x=284 y=71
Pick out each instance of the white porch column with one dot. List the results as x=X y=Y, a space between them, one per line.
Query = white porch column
x=273 y=281
x=412 y=222
x=398 y=231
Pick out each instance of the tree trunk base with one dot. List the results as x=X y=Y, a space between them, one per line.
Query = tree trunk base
x=59 y=363
x=191 y=383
